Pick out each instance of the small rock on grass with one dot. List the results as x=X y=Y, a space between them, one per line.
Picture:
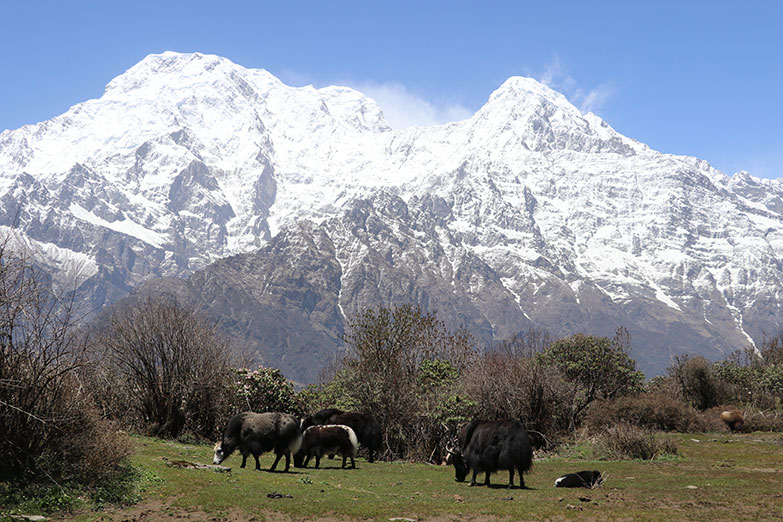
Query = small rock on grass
x=275 y=494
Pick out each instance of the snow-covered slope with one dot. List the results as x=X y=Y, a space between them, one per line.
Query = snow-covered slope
x=562 y=221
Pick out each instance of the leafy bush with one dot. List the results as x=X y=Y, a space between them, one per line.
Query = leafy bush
x=624 y=441
x=594 y=368
x=266 y=389
x=698 y=383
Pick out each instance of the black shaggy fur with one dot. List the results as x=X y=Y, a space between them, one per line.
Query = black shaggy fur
x=318 y=441
x=486 y=447
x=256 y=433
x=321 y=417
x=367 y=429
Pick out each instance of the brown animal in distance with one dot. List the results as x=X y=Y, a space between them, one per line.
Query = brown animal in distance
x=733 y=419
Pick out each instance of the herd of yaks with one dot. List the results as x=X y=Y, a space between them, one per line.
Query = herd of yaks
x=481 y=446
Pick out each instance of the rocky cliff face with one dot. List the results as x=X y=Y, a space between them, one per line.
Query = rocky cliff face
x=283 y=210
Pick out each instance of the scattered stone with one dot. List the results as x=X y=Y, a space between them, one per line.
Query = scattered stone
x=31 y=518
x=403 y=519
x=507 y=498
x=459 y=498
x=691 y=487
x=695 y=440
x=275 y=494
x=571 y=506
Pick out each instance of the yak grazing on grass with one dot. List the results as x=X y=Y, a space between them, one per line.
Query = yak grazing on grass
x=491 y=446
x=367 y=429
x=259 y=432
x=326 y=439
x=733 y=419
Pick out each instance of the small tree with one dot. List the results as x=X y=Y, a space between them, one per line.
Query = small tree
x=382 y=375
x=173 y=367
x=595 y=368
x=696 y=380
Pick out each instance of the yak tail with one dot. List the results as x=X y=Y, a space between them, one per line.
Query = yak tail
x=354 y=441
x=296 y=443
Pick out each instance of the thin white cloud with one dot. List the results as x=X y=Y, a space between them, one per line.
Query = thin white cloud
x=590 y=100
x=767 y=164
x=404 y=108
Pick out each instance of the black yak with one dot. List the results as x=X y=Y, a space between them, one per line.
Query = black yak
x=259 y=432
x=582 y=479
x=326 y=439
x=733 y=419
x=367 y=429
x=491 y=446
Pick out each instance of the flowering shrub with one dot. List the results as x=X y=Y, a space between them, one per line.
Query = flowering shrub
x=266 y=389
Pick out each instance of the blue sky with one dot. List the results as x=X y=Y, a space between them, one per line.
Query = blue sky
x=696 y=78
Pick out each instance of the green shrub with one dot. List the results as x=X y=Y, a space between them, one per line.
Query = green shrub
x=697 y=381
x=266 y=389
x=594 y=368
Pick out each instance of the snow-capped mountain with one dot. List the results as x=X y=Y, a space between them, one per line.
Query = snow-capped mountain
x=528 y=212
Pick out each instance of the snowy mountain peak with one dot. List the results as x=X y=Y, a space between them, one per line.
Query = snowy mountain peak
x=529 y=210
x=520 y=89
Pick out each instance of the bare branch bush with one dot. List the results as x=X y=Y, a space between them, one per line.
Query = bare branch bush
x=169 y=367
x=48 y=426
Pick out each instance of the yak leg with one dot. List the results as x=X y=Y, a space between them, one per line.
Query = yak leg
x=510 y=478
x=244 y=460
x=473 y=478
x=307 y=460
x=276 y=461
x=317 y=460
x=486 y=479
x=353 y=463
x=258 y=464
x=344 y=462
x=371 y=456
x=521 y=479
x=287 y=460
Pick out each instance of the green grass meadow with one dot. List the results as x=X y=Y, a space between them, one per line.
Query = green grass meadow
x=717 y=477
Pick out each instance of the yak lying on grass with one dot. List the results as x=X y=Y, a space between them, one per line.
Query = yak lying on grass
x=581 y=479
x=327 y=439
x=367 y=429
x=491 y=446
x=259 y=432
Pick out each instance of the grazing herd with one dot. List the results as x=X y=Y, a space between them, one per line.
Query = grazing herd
x=481 y=446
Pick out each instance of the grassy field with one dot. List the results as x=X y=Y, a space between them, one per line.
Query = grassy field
x=718 y=477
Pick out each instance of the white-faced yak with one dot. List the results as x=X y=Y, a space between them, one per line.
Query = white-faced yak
x=486 y=447
x=255 y=433
x=327 y=439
